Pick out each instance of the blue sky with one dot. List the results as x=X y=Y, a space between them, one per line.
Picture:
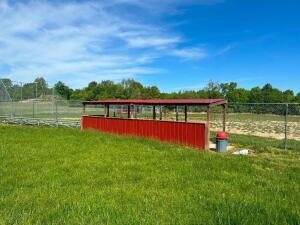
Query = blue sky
x=174 y=44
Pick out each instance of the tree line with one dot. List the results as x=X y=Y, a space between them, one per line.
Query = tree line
x=131 y=89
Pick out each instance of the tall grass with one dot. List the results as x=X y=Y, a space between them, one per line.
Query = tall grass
x=65 y=176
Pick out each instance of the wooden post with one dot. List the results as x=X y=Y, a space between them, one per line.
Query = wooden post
x=177 y=113
x=154 y=112
x=185 y=113
x=207 y=128
x=225 y=107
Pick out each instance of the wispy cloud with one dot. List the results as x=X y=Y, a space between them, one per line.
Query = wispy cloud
x=148 y=42
x=80 y=41
x=224 y=50
x=189 y=53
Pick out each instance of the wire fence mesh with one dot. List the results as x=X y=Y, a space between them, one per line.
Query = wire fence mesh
x=4 y=94
x=269 y=120
x=278 y=121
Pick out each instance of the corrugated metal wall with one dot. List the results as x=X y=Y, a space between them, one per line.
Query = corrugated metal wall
x=191 y=134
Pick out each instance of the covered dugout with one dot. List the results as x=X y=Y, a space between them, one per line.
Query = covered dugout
x=181 y=132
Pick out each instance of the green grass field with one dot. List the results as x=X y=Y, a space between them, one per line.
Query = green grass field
x=65 y=176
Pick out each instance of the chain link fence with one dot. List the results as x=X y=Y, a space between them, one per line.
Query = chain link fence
x=278 y=121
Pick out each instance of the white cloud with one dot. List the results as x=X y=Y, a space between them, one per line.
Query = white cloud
x=147 y=42
x=162 y=6
x=189 y=53
x=224 y=50
x=80 y=41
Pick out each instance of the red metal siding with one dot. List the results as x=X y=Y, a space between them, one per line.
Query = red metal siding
x=191 y=134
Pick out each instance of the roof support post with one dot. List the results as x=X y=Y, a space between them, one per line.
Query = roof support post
x=225 y=108
x=106 y=110
x=185 y=113
x=128 y=111
x=207 y=128
x=160 y=112
x=154 y=112
x=177 y=113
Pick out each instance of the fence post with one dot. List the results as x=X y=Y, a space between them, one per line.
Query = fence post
x=225 y=109
x=286 y=126
x=56 y=113
x=12 y=109
x=33 y=109
x=53 y=104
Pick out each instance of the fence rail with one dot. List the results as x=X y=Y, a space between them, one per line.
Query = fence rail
x=272 y=120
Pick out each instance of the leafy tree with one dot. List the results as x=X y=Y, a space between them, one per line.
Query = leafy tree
x=108 y=90
x=63 y=90
x=298 y=97
x=91 y=91
x=227 y=87
x=132 y=89
x=271 y=95
x=255 y=95
x=78 y=94
x=288 y=96
x=151 y=92
x=213 y=89
x=42 y=86
x=238 y=95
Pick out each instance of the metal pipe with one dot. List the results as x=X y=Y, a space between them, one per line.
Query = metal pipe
x=21 y=91
x=83 y=109
x=21 y=98
x=224 y=117
x=185 y=113
x=56 y=114
x=128 y=111
x=107 y=112
x=286 y=126
x=33 y=109
x=160 y=112
x=35 y=89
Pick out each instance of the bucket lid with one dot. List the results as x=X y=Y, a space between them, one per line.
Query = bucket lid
x=221 y=135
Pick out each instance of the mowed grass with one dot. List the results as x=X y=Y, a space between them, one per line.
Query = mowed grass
x=65 y=176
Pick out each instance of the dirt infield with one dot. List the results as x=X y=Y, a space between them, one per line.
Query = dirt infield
x=272 y=129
